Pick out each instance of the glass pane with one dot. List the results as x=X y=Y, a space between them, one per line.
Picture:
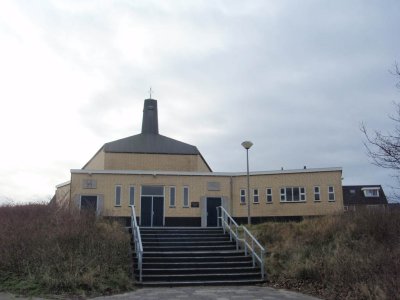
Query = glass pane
x=316 y=197
x=132 y=195
x=289 y=194
x=117 y=195
x=269 y=198
x=172 y=196
x=185 y=196
x=152 y=190
x=296 y=196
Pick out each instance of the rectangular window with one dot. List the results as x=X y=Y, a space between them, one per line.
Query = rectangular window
x=186 y=196
x=117 y=195
x=283 y=195
x=331 y=193
x=302 y=194
x=293 y=194
x=371 y=192
x=132 y=195
x=172 y=196
x=242 y=196
x=269 y=195
x=255 y=196
x=317 y=193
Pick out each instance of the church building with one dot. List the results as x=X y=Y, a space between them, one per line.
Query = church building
x=171 y=184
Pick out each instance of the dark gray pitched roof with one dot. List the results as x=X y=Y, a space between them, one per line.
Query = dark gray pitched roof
x=354 y=195
x=150 y=143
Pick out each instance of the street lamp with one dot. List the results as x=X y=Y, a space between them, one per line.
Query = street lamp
x=247 y=145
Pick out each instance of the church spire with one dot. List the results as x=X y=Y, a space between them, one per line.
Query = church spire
x=150 y=117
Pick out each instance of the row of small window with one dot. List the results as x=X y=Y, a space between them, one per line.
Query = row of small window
x=288 y=194
x=172 y=195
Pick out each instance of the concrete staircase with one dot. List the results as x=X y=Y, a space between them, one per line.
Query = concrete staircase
x=193 y=256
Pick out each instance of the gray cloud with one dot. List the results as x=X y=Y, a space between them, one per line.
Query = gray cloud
x=295 y=78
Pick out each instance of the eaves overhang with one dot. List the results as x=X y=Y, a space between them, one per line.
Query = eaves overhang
x=210 y=174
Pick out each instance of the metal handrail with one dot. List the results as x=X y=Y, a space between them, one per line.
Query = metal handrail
x=227 y=222
x=137 y=239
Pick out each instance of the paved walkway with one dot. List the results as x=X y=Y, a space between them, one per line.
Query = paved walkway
x=208 y=293
x=199 y=293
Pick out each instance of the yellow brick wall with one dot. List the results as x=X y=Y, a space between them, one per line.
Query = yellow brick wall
x=106 y=187
x=198 y=188
x=97 y=161
x=277 y=208
x=164 y=162
x=63 y=195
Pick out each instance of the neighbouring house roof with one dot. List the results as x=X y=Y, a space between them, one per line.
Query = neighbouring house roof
x=356 y=195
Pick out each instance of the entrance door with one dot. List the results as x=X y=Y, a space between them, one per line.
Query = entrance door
x=152 y=206
x=146 y=210
x=89 y=204
x=212 y=204
x=158 y=210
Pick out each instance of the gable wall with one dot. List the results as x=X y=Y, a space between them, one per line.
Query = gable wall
x=161 y=162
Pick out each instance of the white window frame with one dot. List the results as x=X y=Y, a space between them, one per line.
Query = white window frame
x=172 y=188
x=132 y=196
x=243 y=196
x=268 y=193
x=368 y=192
x=301 y=192
x=118 y=186
x=256 y=196
x=317 y=193
x=331 y=193
x=183 y=197
x=283 y=194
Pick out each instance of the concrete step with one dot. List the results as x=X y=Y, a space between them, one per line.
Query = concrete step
x=203 y=276
x=198 y=271
x=201 y=283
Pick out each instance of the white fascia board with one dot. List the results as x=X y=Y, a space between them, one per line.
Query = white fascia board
x=211 y=174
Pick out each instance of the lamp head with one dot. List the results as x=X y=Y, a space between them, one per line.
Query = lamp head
x=247 y=145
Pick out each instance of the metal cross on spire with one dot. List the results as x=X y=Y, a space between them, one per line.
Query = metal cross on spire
x=151 y=92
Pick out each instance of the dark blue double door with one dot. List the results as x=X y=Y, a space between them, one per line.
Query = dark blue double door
x=152 y=211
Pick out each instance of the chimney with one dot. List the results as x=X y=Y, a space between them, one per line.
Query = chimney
x=150 y=117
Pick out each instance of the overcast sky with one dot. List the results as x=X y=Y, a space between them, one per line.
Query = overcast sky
x=295 y=77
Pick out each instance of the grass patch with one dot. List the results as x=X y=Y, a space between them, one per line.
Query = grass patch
x=348 y=256
x=45 y=250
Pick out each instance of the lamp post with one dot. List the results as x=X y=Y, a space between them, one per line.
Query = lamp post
x=247 y=145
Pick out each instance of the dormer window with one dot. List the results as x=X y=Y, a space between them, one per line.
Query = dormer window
x=371 y=191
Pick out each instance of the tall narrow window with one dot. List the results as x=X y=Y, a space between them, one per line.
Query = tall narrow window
x=186 y=196
x=317 y=193
x=255 y=196
x=269 y=195
x=302 y=194
x=283 y=194
x=331 y=193
x=117 y=195
x=242 y=196
x=132 y=195
x=172 y=196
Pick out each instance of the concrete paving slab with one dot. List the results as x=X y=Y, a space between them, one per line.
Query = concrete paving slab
x=198 y=293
